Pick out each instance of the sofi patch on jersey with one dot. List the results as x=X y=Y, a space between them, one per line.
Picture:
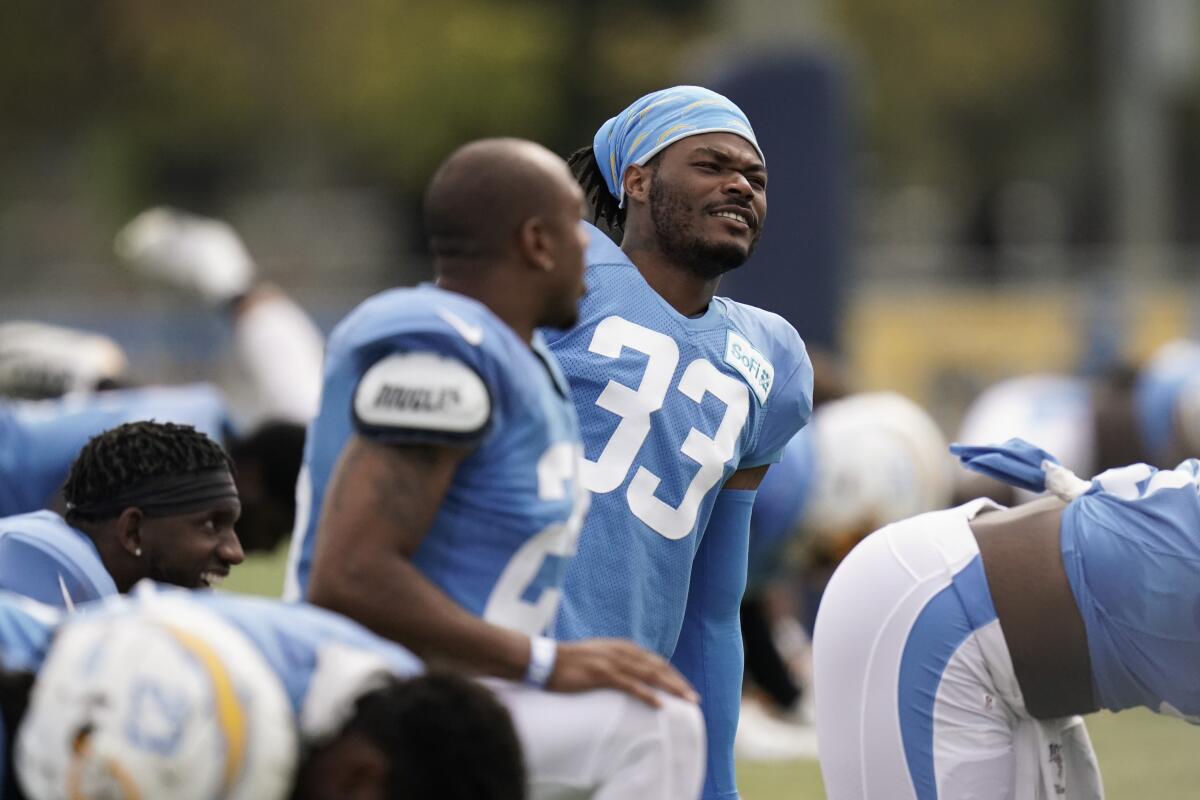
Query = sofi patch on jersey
x=422 y=391
x=752 y=364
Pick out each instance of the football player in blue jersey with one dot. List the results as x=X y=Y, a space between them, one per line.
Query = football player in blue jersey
x=250 y=696
x=39 y=441
x=144 y=500
x=864 y=461
x=443 y=476
x=276 y=347
x=954 y=650
x=684 y=397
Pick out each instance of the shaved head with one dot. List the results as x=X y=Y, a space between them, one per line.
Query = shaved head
x=485 y=191
x=503 y=218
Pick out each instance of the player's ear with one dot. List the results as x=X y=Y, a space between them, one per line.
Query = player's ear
x=128 y=529
x=533 y=241
x=637 y=182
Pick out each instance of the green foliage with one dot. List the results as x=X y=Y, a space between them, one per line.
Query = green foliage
x=224 y=92
x=1141 y=755
x=966 y=91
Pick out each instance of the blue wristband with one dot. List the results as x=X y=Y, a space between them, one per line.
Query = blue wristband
x=542 y=652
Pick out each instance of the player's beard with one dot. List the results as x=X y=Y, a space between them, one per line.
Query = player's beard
x=675 y=227
x=161 y=572
x=564 y=318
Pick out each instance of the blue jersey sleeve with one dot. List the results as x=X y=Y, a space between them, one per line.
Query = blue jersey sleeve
x=36 y=569
x=771 y=355
x=16 y=494
x=40 y=440
x=709 y=652
x=790 y=411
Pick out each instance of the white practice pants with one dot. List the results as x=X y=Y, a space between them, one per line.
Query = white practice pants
x=606 y=744
x=916 y=698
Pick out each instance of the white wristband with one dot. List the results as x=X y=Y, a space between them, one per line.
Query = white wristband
x=542 y=652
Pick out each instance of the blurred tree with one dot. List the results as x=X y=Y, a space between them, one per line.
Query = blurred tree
x=184 y=101
x=965 y=94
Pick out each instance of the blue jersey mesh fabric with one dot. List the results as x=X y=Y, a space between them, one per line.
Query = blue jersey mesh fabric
x=290 y=636
x=1131 y=549
x=44 y=558
x=501 y=537
x=653 y=390
x=40 y=440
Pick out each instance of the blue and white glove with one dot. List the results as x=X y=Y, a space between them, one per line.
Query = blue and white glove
x=1021 y=464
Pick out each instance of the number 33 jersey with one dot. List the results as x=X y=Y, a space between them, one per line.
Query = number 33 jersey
x=669 y=407
x=428 y=366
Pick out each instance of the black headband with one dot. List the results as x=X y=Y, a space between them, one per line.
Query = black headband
x=165 y=496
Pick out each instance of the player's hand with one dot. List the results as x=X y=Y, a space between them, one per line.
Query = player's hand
x=194 y=253
x=616 y=664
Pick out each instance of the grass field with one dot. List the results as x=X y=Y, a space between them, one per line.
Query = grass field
x=1143 y=756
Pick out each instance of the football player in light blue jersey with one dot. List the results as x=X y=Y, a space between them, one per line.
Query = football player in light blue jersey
x=300 y=697
x=954 y=650
x=864 y=460
x=296 y=639
x=144 y=500
x=39 y=440
x=276 y=348
x=684 y=398
x=443 y=476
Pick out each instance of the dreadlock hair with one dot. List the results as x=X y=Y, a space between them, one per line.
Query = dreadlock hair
x=445 y=736
x=127 y=455
x=607 y=214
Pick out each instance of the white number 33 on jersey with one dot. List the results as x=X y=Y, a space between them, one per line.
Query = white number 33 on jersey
x=635 y=406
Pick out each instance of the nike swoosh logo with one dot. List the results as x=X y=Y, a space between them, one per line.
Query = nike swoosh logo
x=66 y=595
x=472 y=333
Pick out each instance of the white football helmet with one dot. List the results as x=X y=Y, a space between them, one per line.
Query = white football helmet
x=879 y=459
x=166 y=701
x=39 y=360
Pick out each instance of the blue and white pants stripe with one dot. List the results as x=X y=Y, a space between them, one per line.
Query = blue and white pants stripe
x=916 y=698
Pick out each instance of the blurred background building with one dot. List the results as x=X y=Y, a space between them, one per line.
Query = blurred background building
x=960 y=191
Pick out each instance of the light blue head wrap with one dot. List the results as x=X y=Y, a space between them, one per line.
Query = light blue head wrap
x=657 y=121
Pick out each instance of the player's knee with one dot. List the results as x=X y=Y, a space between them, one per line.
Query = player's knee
x=683 y=745
x=683 y=724
x=675 y=727
x=671 y=738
